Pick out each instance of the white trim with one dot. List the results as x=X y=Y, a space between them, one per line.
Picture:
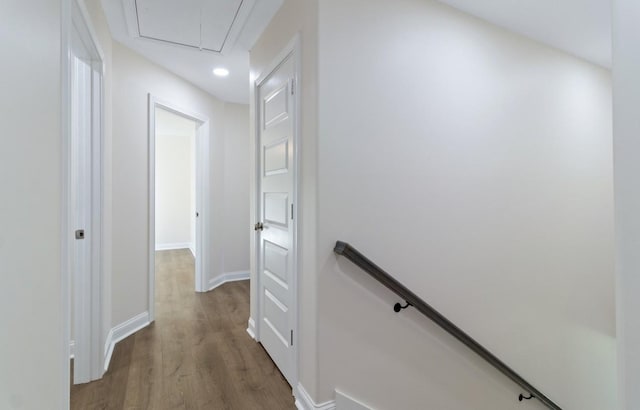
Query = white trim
x=203 y=208
x=97 y=222
x=72 y=349
x=305 y=402
x=227 y=277
x=294 y=50
x=82 y=8
x=121 y=332
x=292 y=47
x=65 y=127
x=251 y=328
x=108 y=349
x=203 y=136
x=75 y=18
x=172 y=246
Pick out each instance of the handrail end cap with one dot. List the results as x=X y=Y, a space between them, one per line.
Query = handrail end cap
x=340 y=247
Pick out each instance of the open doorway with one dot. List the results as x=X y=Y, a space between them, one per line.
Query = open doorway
x=175 y=182
x=178 y=189
x=83 y=196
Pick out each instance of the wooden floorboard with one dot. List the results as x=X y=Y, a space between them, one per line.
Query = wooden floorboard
x=197 y=354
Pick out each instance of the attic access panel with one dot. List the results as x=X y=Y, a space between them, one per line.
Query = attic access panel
x=211 y=25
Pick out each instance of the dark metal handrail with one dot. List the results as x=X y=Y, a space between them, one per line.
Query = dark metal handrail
x=348 y=251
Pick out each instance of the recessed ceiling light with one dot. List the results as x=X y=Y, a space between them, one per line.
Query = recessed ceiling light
x=221 y=72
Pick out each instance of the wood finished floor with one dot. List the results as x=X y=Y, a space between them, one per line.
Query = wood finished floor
x=197 y=354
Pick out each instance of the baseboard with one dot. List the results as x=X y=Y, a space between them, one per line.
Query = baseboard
x=344 y=402
x=72 y=349
x=304 y=401
x=122 y=331
x=171 y=246
x=108 y=349
x=227 y=277
x=251 y=328
x=193 y=250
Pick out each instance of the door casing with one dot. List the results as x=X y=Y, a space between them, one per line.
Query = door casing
x=88 y=290
x=293 y=51
x=202 y=195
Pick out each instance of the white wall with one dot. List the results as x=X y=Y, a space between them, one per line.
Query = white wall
x=626 y=132
x=475 y=166
x=295 y=17
x=175 y=162
x=237 y=226
x=32 y=366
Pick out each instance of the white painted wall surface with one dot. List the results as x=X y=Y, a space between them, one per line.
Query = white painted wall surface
x=175 y=204
x=476 y=167
x=237 y=225
x=626 y=142
x=295 y=17
x=32 y=368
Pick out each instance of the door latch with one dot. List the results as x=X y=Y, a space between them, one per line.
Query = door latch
x=258 y=227
x=80 y=234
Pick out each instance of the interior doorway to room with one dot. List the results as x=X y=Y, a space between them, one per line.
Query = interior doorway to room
x=175 y=182
x=178 y=196
x=276 y=205
x=83 y=226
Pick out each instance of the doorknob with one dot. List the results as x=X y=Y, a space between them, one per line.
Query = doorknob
x=258 y=227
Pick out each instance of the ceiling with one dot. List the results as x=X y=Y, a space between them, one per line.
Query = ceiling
x=229 y=28
x=171 y=33
x=192 y=23
x=579 y=27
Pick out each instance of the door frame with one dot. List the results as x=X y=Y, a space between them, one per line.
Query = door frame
x=202 y=144
x=88 y=292
x=292 y=50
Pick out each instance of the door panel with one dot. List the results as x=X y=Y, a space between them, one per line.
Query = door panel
x=276 y=206
x=275 y=263
x=80 y=193
x=276 y=316
x=276 y=107
x=276 y=250
x=276 y=159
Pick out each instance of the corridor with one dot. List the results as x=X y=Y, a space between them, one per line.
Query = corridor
x=197 y=354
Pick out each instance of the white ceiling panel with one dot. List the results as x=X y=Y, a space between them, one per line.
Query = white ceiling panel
x=219 y=16
x=190 y=62
x=202 y=24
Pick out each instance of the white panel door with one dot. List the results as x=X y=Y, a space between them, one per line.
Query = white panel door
x=276 y=246
x=80 y=189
